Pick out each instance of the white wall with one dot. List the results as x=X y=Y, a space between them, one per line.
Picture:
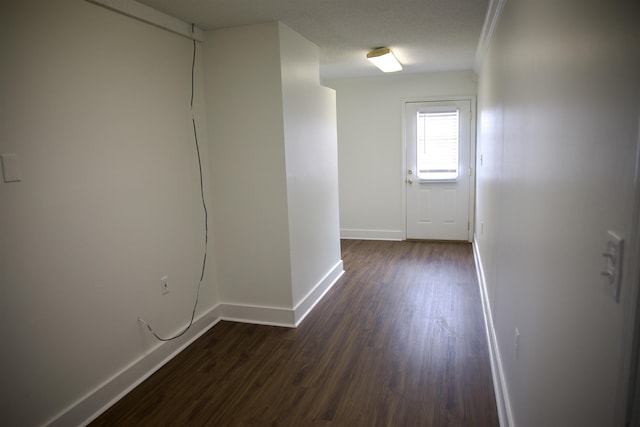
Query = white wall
x=312 y=165
x=96 y=105
x=370 y=148
x=559 y=108
x=274 y=171
x=245 y=119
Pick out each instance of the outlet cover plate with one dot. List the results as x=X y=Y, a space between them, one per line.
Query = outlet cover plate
x=164 y=285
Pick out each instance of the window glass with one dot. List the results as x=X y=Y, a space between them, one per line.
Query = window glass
x=438 y=145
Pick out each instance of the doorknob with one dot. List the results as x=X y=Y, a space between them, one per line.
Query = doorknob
x=410 y=181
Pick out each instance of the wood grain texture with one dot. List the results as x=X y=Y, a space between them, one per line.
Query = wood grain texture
x=398 y=341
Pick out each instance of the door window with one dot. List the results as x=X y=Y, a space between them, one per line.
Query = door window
x=437 y=144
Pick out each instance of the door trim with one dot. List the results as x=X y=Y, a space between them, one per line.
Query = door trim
x=472 y=157
x=628 y=399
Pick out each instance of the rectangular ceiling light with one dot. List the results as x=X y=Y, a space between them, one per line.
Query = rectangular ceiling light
x=383 y=58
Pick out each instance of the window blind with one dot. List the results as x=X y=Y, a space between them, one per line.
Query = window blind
x=437 y=150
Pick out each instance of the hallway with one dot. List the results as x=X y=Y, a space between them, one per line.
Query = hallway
x=398 y=341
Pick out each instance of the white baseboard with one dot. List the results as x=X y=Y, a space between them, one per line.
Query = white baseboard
x=363 y=234
x=108 y=393
x=259 y=315
x=278 y=316
x=310 y=300
x=93 y=404
x=499 y=384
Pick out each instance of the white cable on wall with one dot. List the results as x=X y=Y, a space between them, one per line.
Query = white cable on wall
x=204 y=208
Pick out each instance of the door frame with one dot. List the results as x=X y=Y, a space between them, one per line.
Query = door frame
x=628 y=393
x=472 y=157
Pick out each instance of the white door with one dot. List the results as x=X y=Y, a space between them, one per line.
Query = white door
x=438 y=175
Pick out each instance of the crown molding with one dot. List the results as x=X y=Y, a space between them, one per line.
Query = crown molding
x=490 y=22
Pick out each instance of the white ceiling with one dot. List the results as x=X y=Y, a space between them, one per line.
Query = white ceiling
x=425 y=35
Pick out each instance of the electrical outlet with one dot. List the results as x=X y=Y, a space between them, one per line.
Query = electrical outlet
x=516 y=343
x=164 y=285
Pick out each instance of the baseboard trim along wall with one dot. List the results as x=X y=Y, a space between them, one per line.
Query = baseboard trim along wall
x=363 y=234
x=285 y=317
x=259 y=315
x=105 y=395
x=314 y=296
x=92 y=405
x=499 y=383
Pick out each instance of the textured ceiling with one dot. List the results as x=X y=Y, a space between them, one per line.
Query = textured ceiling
x=425 y=35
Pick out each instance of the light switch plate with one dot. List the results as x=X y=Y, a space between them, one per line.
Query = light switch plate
x=612 y=272
x=10 y=167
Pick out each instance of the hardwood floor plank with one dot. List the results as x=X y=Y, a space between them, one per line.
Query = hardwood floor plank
x=398 y=341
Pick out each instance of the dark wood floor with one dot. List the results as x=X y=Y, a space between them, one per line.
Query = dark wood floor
x=398 y=341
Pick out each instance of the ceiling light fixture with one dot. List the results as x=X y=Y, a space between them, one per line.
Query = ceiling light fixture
x=383 y=58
